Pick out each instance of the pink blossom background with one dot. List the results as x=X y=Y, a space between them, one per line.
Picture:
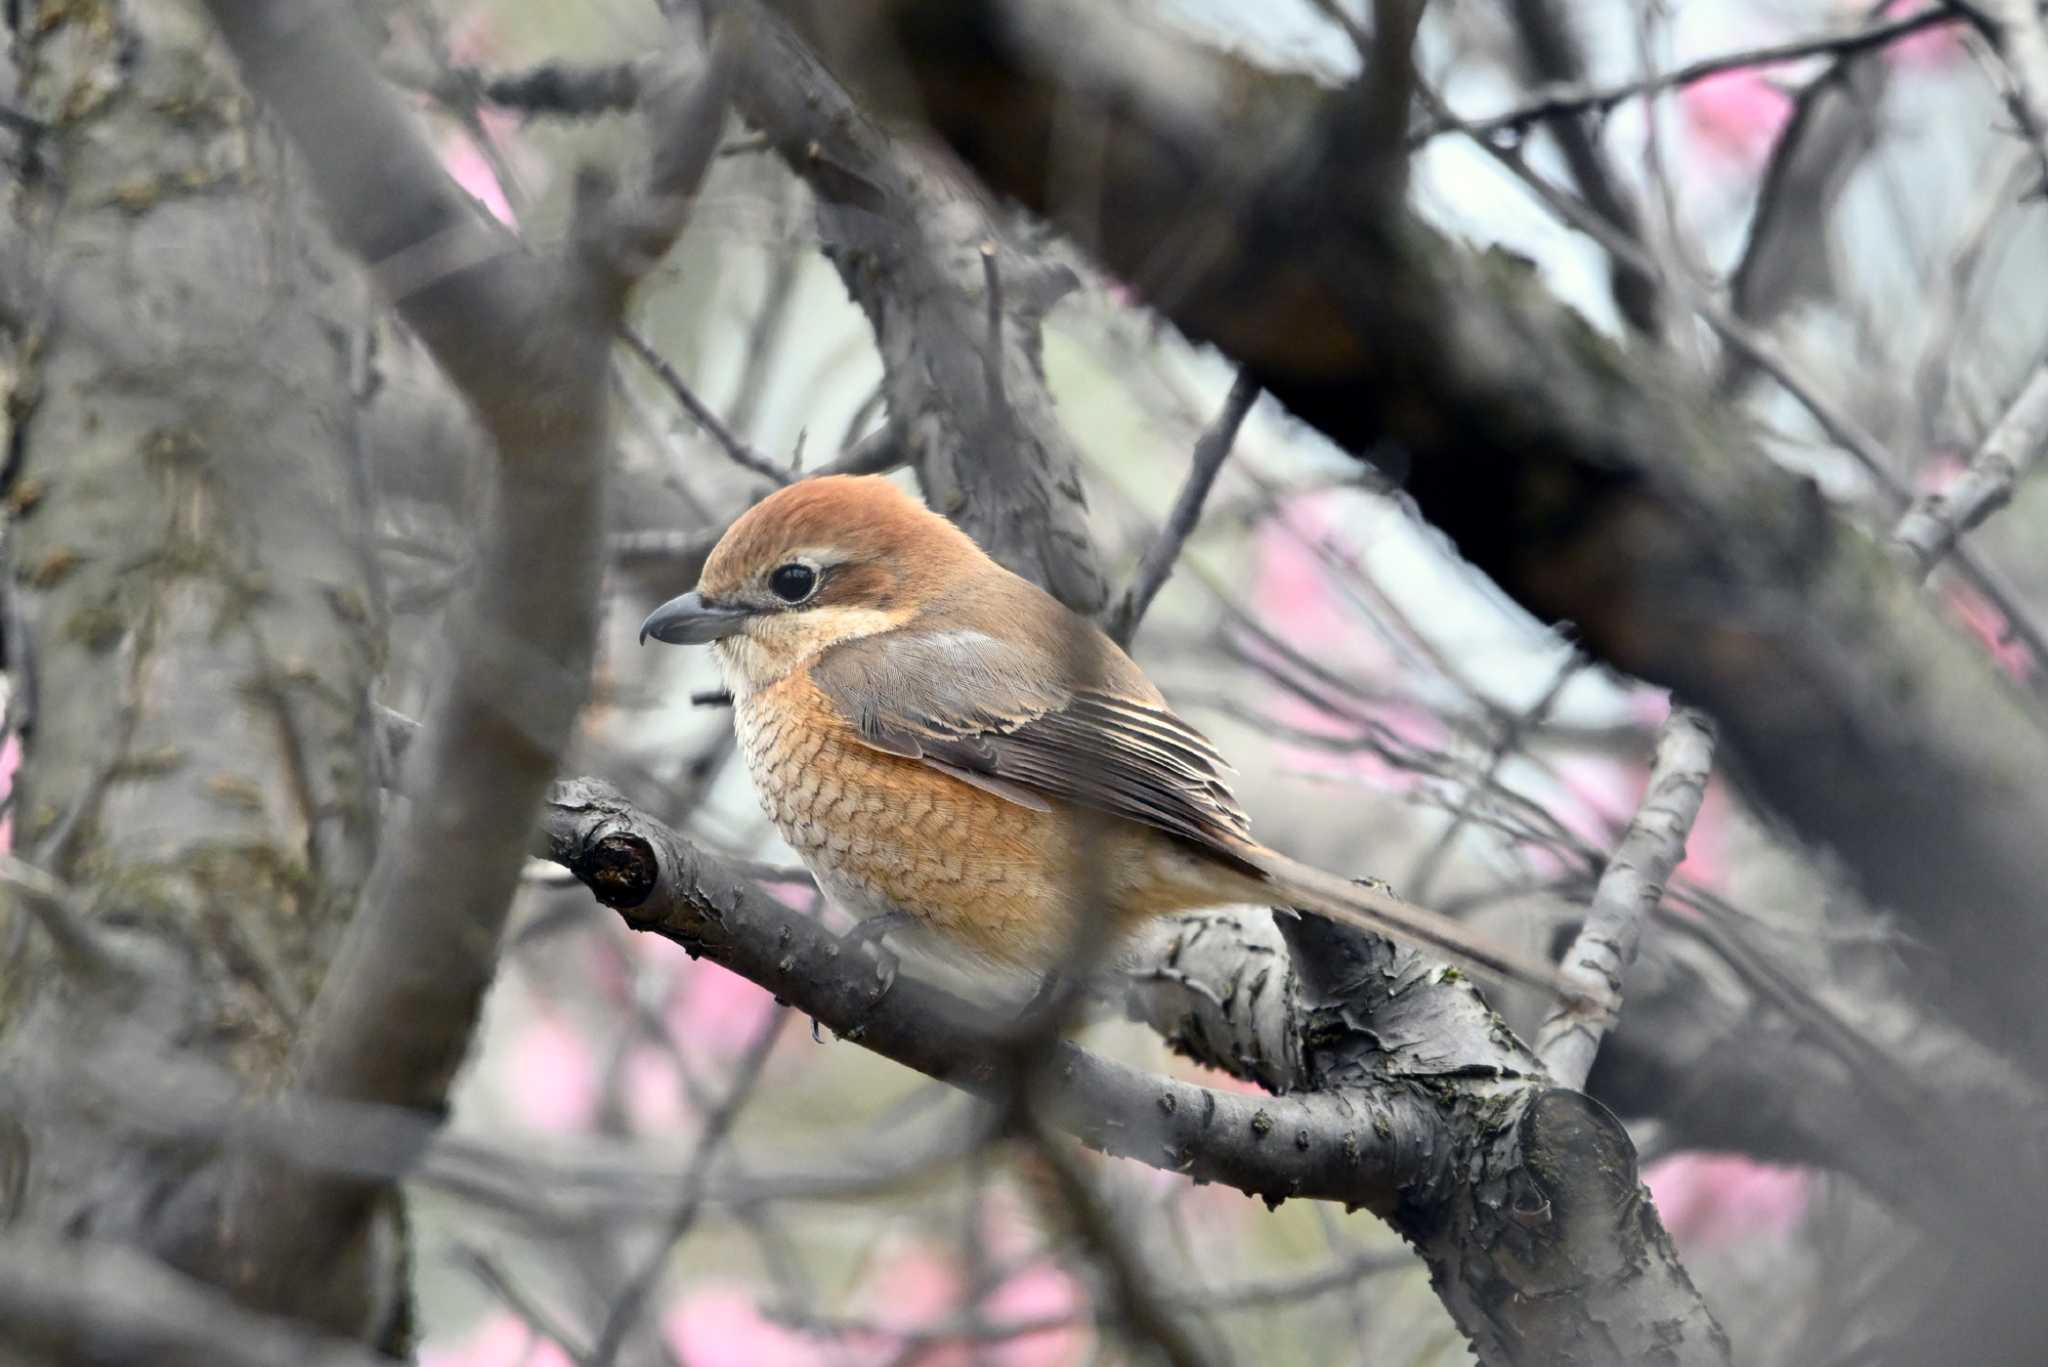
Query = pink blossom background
x=558 y=1072
x=1706 y=1200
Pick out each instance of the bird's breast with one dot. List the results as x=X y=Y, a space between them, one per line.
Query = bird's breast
x=879 y=832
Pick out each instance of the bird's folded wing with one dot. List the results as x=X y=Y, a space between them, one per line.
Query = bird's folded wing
x=1080 y=724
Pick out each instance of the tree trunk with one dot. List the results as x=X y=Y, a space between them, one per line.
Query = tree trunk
x=196 y=616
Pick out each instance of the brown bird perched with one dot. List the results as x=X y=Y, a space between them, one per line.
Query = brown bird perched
x=944 y=743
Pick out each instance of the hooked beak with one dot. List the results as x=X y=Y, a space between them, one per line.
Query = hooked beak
x=690 y=621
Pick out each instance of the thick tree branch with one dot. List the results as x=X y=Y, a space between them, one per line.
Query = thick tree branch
x=1832 y=128
x=1629 y=892
x=527 y=340
x=1806 y=1047
x=1361 y=1151
x=1809 y=1052
x=909 y=234
x=1592 y=485
x=1396 y=1125
x=1543 y=1239
x=104 y=1303
x=193 y=605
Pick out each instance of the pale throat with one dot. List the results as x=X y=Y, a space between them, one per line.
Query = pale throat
x=774 y=645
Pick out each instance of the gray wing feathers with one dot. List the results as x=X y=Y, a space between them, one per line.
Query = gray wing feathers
x=983 y=709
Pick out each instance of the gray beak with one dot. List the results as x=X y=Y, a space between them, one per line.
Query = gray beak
x=690 y=621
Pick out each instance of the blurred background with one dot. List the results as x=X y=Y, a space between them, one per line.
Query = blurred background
x=1388 y=711
x=238 y=500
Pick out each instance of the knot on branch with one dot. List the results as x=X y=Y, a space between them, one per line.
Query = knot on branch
x=589 y=830
x=619 y=869
x=1573 y=1200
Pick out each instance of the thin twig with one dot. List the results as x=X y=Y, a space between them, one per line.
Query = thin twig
x=2023 y=51
x=771 y=321
x=742 y=454
x=877 y=453
x=1512 y=732
x=1563 y=101
x=1840 y=427
x=1553 y=53
x=1144 y=1310
x=1955 y=295
x=746 y=1077
x=1931 y=527
x=1338 y=1276
x=1629 y=891
x=55 y=908
x=461 y=99
x=499 y=1283
x=559 y=88
x=1211 y=450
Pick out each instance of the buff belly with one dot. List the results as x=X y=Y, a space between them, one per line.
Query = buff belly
x=987 y=879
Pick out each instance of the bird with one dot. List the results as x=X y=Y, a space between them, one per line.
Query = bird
x=954 y=753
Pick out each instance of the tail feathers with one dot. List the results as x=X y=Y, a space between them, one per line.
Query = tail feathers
x=1378 y=911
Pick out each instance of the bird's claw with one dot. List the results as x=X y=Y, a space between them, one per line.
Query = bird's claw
x=886 y=963
x=867 y=934
x=1051 y=995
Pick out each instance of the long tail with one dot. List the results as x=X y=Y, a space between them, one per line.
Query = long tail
x=1379 y=912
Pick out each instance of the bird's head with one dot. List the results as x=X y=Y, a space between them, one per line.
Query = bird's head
x=825 y=560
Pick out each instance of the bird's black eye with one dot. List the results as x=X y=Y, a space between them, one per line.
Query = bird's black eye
x=793 y=583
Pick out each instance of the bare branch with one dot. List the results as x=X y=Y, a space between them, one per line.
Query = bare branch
x=1934 y=523
x=561 y=88
x=1840 y=425
x=55 y=908
x=1146 y=1313
x=499 y=1283
x=1211 y=450
x=1371 y=1117
x=1553 y=52
x=907 y=230
x=2023 y=49
x=685 y=552
x=528 y=341
x=1565 y=101
x=102 y=1302
x=735 y=446
x=1831 y=129
x=992 y=344
x=1345 y=1274
x=1379 y=104
x=187 y=1100
x=1629 y=892
x=717 y=1126
x=1333 y=1146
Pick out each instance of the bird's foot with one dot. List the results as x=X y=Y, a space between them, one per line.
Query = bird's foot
x=867 y=934
x=1055 y=994
x=869 y=930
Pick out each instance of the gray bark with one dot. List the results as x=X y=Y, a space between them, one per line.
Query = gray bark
x=199 y=624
